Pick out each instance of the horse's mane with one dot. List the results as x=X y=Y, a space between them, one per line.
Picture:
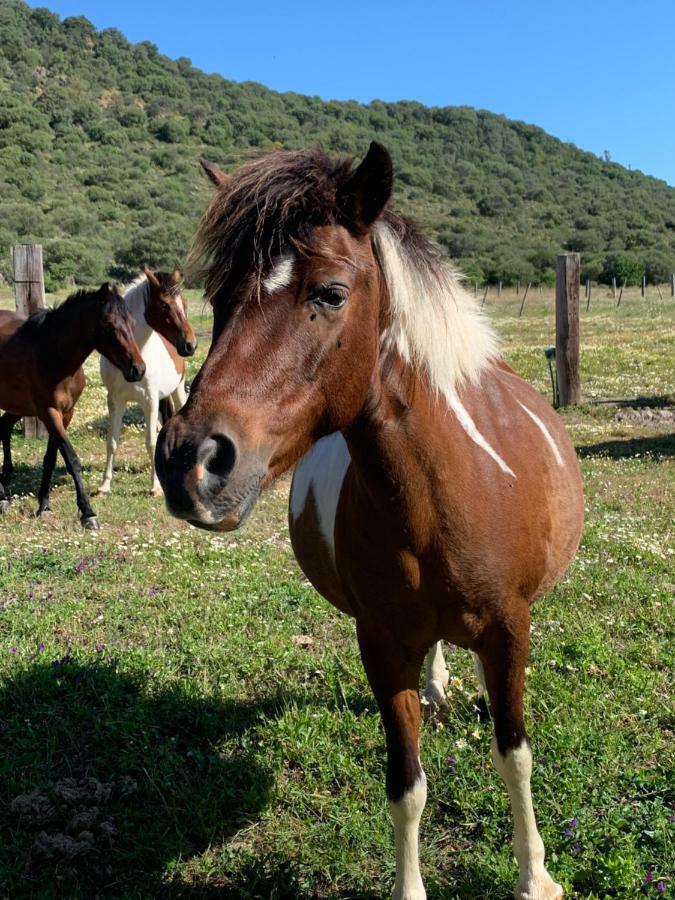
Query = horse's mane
x=43 y=318
x=271 y=204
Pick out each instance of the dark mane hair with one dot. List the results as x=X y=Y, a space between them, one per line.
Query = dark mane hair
x=45 y=317
x=271 y=203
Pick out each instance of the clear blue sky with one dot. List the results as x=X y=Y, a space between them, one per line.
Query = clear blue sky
x=597 y=73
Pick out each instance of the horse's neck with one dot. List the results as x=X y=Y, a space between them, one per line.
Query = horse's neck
x=136 y=299
x=70 y=338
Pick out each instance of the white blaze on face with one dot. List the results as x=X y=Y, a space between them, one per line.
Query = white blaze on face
x=322 y=470
x=280 y=276
x=544 y=430
x=469 y=426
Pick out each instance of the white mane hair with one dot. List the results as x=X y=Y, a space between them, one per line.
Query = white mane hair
x=435 y=324
x=136 y=294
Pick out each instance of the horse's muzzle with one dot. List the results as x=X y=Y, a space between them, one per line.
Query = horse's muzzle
x=205 y=480
x=185 y=347
x=134 y=372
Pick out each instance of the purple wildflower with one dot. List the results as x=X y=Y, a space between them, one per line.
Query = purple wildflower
x=574 y=822
x=568 y=833
x=12 y=650
x=649 y=876
x=576 y=848
x=452 y=763
x=41 y=648
x=660 y=887
x=153 y=590
x=99 y=648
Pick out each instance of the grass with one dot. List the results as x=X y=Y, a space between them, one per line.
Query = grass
x=181 y=715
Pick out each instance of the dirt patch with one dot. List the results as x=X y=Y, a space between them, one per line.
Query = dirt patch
x=646 y=416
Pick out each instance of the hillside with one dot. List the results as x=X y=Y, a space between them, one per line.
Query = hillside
x=99 y=140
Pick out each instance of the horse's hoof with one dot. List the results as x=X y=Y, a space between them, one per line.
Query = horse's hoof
x=4 y=506
x=103 y=493
x=91 y=523
x=157 y=492
x=44 y=511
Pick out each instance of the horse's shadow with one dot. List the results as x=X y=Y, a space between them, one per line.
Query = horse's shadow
x=106 y=781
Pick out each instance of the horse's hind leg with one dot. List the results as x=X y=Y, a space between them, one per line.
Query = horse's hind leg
x=47 y=471
x=394 y=674
x=7 y=423
x=151 y=412
x=436 y=678
x=504 y=657
x=115 y=416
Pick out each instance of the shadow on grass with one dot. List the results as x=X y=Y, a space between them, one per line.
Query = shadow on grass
x=104 y=781
x=655 y=447
x=658 y=401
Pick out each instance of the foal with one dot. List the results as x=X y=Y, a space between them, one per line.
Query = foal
x=438 y=495
x=161 y=328
x=41 y=375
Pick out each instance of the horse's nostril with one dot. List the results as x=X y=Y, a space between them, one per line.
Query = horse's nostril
x=218 y=455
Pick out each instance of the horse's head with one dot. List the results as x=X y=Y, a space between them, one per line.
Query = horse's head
x=298 y=311
x=166 y=310
x=114 y=335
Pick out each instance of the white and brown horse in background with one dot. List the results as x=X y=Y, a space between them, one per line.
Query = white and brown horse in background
x=437 y=494
x=164 y=336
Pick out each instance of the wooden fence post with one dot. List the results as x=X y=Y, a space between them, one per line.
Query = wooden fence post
x=614 y=288
x=588 y=295
x=499 y=287
x=567 y=328
x=29 y=291
x=618 y=302
x=529 y=283
x=672 y=285
x=644 y=285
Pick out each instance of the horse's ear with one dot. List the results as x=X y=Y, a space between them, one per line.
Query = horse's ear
x=103 y=291
x=150 y=275
x=365 y=195
x=216 y=175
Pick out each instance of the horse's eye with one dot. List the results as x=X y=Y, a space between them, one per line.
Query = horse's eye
x=332 y=296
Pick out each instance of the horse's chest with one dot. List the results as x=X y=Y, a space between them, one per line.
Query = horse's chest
x=160 y=380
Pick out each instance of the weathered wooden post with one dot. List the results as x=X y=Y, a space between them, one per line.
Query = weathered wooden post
x=482 y=302
x=567 y=328
x=614 y=288
x=643 y=286
x=672 y=285
x=29 y=291
x=499 y=287
x=623 y=287
x=529 y=283
x=588 y=294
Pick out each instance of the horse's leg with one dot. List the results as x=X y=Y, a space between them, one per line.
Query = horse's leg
x=179 y=396
x=394 y=674
x=48 y=464
x=436 y=679
x=115 y=416
x=56 y=426
x=151 y=412
x=504 y=657
x=7 y=423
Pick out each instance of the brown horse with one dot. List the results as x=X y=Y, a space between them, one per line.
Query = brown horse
x=437 y=494
x=41 y=375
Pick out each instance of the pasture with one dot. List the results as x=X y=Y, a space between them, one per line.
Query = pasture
x=181 y=715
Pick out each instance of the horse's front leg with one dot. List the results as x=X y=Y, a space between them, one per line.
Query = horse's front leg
x=48 y=464
x=504 y=657
x=436 y=679
x=115 y=416
x=394 y=673
x=56 y=427
x=151 y=412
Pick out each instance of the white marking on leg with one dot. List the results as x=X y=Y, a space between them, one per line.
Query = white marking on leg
x=480 y=674
x=544 y=430
x=406 y=814
x=280 y=276
x=469 y=426
x=436 y=677
x=322 y=470
x=516 y=768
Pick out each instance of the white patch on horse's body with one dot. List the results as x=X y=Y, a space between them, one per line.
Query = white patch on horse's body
x=161 y=380
x=469 y=426
x=322 y=470
x=435 y=324
x=436 y=679
x=544 y=430
x=516 y=769
x=406 y=814
x=280 y=276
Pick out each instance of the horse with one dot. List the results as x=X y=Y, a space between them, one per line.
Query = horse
x=165 y=336
x=436 y=494
x=41 y=375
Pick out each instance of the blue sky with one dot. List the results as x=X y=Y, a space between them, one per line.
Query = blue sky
x=597 y=73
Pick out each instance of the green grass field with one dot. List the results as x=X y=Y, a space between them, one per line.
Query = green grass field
x=181 y=715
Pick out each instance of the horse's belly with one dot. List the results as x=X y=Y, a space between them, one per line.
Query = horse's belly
x=314 y=498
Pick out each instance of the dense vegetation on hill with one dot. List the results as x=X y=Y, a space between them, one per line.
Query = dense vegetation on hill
x=99 y=140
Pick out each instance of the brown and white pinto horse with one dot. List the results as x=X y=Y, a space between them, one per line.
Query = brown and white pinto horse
x=437 y=494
